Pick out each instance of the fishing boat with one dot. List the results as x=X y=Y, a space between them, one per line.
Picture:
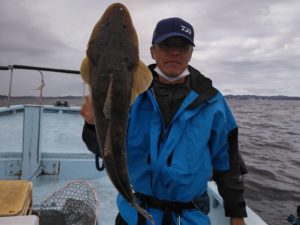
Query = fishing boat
x=41 y=145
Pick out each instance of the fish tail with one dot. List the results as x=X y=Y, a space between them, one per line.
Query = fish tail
x=144 y=213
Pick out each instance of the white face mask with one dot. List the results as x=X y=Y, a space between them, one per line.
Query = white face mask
x=182 y=75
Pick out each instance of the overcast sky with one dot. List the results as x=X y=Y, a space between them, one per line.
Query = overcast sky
x=245 y=47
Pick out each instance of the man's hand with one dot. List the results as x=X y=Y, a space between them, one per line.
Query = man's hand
x=237 y=221
x=87 y=111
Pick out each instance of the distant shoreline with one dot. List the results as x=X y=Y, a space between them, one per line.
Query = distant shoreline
x=275 y=97
x=67 y=96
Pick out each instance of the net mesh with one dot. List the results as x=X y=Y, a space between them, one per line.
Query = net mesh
x=74 y=204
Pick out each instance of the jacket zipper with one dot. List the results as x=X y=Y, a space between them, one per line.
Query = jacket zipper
x=165 y=130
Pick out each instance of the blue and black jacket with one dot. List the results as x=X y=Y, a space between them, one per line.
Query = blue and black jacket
x=174 y=162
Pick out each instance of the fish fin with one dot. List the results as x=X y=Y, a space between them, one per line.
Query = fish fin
x=107 y=150
x=107 y=104
x=85 y=70
x=142 y=79
x=143 y=212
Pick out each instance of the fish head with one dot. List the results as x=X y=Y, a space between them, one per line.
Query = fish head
x=114 y=43
x=115 y=29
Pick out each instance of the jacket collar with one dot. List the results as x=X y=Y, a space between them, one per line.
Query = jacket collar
x=199 y=84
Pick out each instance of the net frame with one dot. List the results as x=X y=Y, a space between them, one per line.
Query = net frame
x=68 y=196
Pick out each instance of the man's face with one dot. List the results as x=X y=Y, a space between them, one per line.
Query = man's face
x=172 y=55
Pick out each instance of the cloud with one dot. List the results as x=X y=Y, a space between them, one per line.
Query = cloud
x=254 y=46
x=244 y=47
x=23 y=38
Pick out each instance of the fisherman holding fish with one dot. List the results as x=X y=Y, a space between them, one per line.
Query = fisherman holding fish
x=180 y=134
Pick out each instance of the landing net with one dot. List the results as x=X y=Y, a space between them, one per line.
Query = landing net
x=74 y=204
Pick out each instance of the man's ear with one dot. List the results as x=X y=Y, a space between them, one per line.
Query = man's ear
x=152 y=52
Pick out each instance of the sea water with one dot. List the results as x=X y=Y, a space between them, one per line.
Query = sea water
x=269 y=137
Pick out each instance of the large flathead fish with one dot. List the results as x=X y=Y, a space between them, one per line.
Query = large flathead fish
x=116 y=76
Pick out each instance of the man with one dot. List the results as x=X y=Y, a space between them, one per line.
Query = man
x=181 y=133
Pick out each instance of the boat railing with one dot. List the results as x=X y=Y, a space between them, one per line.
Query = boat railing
x=11 y=68
x=30 y=163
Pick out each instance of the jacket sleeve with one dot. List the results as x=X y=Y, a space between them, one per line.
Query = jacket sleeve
x=90 y=139
x=231 y=183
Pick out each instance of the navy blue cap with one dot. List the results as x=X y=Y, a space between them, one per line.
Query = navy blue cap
x=172 y=27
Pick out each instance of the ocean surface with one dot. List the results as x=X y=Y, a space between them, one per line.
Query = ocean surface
x=269 y=139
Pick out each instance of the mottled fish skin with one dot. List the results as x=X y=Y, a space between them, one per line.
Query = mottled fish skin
x=113 y=59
